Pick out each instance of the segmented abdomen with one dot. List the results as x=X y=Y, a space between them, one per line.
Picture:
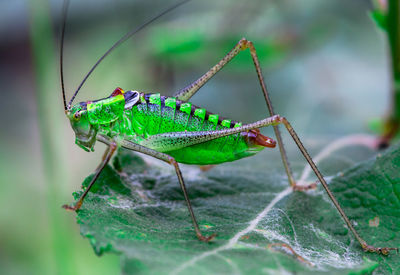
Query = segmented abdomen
x=155 y=114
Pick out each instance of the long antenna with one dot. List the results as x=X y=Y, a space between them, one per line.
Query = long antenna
x=122 y=40
x=64 y=18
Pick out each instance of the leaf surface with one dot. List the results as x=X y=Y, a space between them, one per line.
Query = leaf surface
x=139 y=212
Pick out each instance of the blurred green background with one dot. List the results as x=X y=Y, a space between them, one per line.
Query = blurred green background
x=324 y=62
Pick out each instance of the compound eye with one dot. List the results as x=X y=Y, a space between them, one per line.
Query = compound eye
x=77 y=115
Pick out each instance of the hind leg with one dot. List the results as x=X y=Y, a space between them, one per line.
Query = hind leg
x=186 y=93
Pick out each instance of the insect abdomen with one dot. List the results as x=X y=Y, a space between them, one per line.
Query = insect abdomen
x=157 y=114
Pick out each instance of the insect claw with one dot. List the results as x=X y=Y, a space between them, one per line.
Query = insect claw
x=67 y=207
x=70 y=208
x=379 y=250
x=206 y=239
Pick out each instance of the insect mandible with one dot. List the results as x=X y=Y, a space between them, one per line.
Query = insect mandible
x=175 y=131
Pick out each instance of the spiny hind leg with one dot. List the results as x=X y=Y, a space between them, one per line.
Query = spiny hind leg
x=171 y=160
x=366 y=247
x=281 y=120
x=186 y=93
x=106 y=158
x=178 y=140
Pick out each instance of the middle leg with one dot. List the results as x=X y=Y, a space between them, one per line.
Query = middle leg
x=168 y=159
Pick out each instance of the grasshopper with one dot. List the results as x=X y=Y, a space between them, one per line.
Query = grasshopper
x=175 y=131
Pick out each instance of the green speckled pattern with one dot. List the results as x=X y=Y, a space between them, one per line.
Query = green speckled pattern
x=155 y=114
x=106 y=110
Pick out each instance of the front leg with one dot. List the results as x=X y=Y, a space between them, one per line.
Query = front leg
x=106 y=158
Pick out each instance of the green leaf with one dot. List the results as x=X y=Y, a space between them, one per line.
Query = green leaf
x=380 y=18
x=139 y=212
x=371 y=194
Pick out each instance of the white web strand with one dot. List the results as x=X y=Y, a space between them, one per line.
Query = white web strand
x=360 y=139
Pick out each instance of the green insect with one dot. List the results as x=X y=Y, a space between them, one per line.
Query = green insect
x=174 y=130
